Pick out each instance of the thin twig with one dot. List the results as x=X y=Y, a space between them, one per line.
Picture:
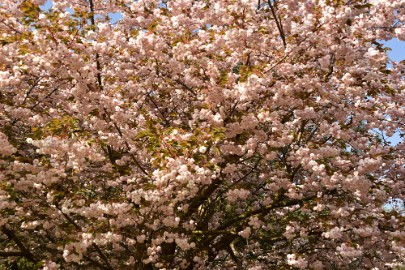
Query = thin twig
x=278 y=23
x=31 y=89
x=137 y=163
x=98 y=64
x=78 y=228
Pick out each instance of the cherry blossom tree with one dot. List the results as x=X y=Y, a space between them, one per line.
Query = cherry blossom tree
x=198 y=134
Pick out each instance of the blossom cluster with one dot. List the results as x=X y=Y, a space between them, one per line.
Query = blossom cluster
x=200 y=134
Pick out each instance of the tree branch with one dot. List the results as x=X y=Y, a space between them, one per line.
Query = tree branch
x=278 y=23
x=24 y=250
x=234 y=255
x=11 y=254
x=98 y=64
x=137 y=163
x=264 y=210
x=78 y=228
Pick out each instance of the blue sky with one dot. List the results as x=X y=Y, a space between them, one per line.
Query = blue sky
x=397 y=52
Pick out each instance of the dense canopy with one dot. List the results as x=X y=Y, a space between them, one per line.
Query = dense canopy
x=198 y=134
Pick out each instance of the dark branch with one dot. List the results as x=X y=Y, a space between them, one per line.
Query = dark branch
x=98 y=65
x=11 y=254
x=278 y=23
x=24 y=250
x=78 y=228
x=283 y=201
